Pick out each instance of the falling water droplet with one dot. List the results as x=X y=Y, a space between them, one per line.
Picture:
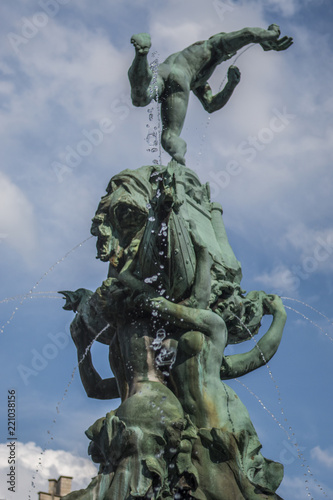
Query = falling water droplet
x=161 y=334
x=152 y=139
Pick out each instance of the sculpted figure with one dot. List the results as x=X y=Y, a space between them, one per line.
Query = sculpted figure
x=151 y=417
x=143 y=228
x=167 y=356
x=171 y=303
x=130 y=443
x=189 y=70
x=212 y=405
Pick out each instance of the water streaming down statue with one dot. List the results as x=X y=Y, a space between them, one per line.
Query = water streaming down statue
x=170 y=305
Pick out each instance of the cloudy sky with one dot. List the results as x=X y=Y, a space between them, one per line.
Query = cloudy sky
x=267 y=156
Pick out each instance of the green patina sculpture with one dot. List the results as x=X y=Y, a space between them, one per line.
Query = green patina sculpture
x=170 y=305
x=189 y=70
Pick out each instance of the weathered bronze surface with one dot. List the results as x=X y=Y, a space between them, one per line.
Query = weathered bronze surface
x=171 y=303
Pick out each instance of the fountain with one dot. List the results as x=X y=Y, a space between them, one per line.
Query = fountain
x=170 y=304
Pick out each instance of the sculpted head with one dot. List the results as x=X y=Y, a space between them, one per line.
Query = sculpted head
x=74 y=299
x=121 y=215
x=242 y=314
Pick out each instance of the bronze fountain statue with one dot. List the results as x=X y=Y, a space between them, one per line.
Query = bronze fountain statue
x=171 y=303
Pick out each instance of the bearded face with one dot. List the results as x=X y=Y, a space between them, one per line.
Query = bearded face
x=127 y=219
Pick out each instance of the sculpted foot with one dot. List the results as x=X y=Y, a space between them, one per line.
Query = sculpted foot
x=174 y=145
x=140 y=74
x=142 y=43
x=179 y=159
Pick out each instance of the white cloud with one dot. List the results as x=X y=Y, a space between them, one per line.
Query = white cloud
x=312 y=244
x=285 y=7
x=325 y=457
x=280 y=280
x=313 y=253
x=64 y=69
x=295 y=488
x=289 y=8
x=165 y=35
x=17 y=224
x=54 y=463
x=66 y=81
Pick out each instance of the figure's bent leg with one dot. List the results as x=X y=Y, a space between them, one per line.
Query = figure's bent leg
x=215 y=102
x=140 y=74
x=234 y=41
x=173 y=112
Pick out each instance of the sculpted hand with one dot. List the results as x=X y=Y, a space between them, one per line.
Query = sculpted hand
x=142 y=43
x=273 y=304
x=277 y=44
x=225 y=368
x=145 y=299
x=157 y=302
x=234 y=75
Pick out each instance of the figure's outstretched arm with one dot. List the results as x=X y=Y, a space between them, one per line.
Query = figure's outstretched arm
x=212 y=102
x=230 y=43
x=190 y=318
x=241 y=364
x=94 y=385
x=140 y=74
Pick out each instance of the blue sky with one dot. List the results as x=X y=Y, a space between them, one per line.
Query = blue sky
x=63 y=79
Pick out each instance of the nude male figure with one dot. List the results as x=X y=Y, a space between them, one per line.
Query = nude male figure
x=189 y=70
